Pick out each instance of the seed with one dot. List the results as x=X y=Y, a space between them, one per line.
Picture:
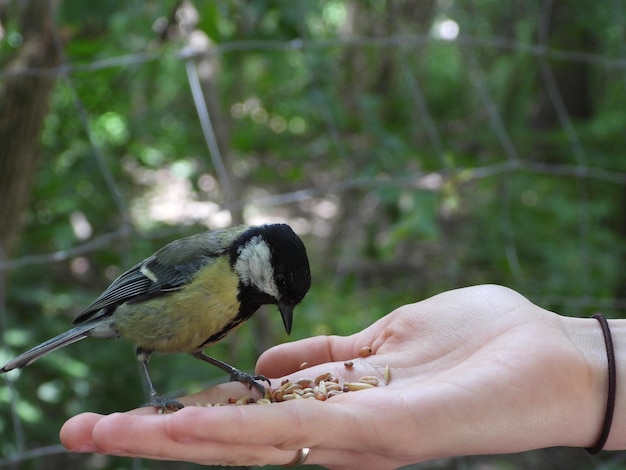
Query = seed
x=263 y=401
x=332 y=387
x=308 y=395
x=290 y=396
x=320 y=396
x=365 y=351
x=304 y=365
x=369 y=379
x=354 y=386
x=387 y=374
x=292 y=388
x=285 y=389
x=284 y=386
x=245 y=401
x=332 y=393
x=325 y=376
x=305 y=382
x=349 y=364
x=232 y=400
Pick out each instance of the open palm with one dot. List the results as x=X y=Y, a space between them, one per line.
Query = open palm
x=472 y=371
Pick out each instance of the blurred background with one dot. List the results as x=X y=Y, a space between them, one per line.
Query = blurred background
x=416 y=146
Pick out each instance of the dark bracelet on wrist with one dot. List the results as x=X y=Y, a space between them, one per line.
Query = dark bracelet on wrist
x=610 y=402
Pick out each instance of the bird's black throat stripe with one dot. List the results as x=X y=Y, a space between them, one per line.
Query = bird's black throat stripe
x=224 y=331
x=250 y=300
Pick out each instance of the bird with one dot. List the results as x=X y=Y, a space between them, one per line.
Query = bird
x=190 y=294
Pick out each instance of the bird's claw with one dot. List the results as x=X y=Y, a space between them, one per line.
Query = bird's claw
x=164 y=405
x=250 y=380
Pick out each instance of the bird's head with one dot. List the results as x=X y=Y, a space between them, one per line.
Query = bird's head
x=273 y=268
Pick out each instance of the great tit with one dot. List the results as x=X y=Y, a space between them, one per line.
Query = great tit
x=192 y=293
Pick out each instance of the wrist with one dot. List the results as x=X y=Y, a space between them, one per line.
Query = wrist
x=617 y=436
x=592 y=388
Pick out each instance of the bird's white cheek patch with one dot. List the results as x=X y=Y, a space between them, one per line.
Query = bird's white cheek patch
x=254 y=266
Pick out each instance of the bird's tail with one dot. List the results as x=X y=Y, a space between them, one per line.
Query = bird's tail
x=71 y=336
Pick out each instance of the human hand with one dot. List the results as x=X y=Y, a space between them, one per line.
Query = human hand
x=472 y=371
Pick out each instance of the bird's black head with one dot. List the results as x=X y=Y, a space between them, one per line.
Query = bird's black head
x=273 y=268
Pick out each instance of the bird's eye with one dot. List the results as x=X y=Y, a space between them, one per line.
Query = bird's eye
x=281 y=281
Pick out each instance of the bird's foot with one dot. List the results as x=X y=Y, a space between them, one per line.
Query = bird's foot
x=250 y=380
x=235 y=374
x=164 y=405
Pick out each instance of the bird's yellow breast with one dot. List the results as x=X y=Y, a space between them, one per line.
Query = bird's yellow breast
x=183 y=320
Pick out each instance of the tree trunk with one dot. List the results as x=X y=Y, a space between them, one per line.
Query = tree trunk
x=572 y=79
x=24 y=100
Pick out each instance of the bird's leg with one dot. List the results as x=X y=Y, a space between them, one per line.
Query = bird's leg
x=235 y=374
x=162 y=404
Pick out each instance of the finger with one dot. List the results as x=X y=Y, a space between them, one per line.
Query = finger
x=75 y=434
x=148 y=437
x=116 y=435
x=288 y=425
x=286 y=358
x=252 y=424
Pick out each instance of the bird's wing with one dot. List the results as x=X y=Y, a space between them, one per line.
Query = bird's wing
x=145 y=280
x=167 y=270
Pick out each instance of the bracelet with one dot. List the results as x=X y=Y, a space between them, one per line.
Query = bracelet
x=610 y=402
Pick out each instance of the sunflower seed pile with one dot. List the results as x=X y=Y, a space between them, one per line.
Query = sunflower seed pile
x=321 y=388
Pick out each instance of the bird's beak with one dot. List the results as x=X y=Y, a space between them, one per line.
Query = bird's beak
x=286 y=311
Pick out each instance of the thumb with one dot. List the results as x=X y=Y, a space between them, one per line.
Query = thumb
x=287 y=358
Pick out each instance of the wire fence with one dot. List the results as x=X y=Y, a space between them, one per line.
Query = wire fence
x=582 y=167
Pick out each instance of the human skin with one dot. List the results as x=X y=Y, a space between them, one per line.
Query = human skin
x=478 y=370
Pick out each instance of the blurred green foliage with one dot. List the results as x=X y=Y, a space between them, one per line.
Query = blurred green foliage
x=396 y=137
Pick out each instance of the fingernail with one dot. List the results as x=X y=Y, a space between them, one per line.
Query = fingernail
x=85 y=448
x=116 y=452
